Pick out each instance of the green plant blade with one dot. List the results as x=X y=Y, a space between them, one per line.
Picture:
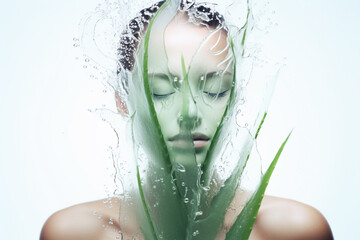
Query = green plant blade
x=261 y=123
x=160 y=202
x=210 y=226
x=216 y=214
x=210 y=156
x=242 y=227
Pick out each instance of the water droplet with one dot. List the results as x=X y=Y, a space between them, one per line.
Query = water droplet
x=87 y=60
x=183 y=184
x=186 y=200
x=207 y=188
x=199 y=213
x=94 y=213
x=181 y=168
x=195 y=233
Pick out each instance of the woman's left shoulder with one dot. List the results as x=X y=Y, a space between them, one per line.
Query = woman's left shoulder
x=281 y=218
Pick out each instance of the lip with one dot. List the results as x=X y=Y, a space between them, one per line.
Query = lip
x=198 y=142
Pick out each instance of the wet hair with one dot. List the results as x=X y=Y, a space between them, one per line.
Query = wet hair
x=130 y=38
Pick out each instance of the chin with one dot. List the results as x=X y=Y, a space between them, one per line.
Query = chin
x=200 y=157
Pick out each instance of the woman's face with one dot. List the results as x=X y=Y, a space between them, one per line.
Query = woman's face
x=200 y=103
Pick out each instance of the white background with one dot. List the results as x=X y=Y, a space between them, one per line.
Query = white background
x=54 y=153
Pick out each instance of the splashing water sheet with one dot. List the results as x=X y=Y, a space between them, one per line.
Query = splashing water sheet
x=192 y=93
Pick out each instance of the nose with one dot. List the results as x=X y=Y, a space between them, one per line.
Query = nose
x=189 y=116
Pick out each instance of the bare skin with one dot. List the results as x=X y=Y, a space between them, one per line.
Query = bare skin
x=278 y=219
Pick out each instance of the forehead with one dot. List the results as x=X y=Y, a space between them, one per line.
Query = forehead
x=204 y=49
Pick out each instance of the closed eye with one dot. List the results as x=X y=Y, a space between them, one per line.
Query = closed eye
x=219 y=95
x=162 y=96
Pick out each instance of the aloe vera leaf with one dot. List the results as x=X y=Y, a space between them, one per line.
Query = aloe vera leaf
x=222 y=200
x=210 y=156
x=191 y=175
x=185 y=90
x=148 y=94
x=214 y=221
x=261 y=123
x=160 y=219
x=151 y=225
x=209 y=225
x=242 y=227
x=162 y=150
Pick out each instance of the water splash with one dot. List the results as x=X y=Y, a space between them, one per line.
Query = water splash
x=142 y=156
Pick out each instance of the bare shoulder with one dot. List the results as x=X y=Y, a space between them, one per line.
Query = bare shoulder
x=280 y=218
x=88 y=221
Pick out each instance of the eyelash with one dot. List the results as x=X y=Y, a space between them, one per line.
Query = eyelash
x=161 y=96
x=214 y=95
x=211 y=95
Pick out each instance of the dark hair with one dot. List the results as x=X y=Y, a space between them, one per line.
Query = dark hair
x=131 y=36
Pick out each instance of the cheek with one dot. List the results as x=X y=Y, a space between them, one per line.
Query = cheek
x=214 y=108
x=213 y=112
x=167 y=115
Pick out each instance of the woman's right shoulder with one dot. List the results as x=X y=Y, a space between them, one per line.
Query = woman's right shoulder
x=89 y=221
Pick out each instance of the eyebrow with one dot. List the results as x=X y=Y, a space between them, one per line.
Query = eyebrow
x=160 y=75
x=212 y=74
